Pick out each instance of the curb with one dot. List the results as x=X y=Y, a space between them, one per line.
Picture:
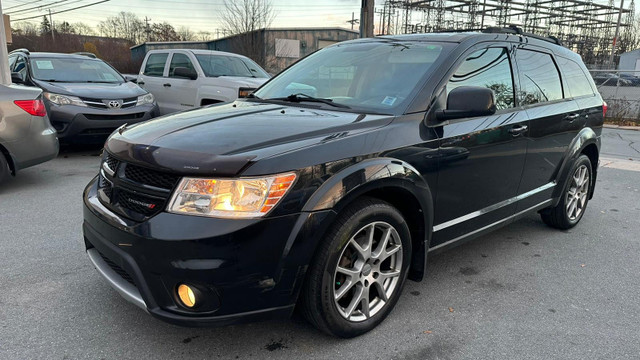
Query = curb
x=635 y=128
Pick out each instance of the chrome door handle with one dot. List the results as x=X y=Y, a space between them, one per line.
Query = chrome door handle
x=571 y=117
x=167 y=85
x=517 y=130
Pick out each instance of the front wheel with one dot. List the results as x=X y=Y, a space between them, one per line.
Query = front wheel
x=4 y=169
x=575 y=197
x=360 y=268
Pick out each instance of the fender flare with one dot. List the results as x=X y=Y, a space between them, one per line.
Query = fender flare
x=584 y=138
x=344 y=187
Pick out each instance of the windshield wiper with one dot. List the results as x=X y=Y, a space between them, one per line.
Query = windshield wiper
x=299 y=97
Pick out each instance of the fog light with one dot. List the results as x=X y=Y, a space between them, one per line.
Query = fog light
x=187 y=295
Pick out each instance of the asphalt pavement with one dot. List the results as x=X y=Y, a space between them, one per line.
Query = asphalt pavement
x=523 y=292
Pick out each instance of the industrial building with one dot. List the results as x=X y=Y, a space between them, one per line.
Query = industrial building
x=630 y=61
x=274 y=49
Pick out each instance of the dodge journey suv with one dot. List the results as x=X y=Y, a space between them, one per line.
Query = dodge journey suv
x=329 y=186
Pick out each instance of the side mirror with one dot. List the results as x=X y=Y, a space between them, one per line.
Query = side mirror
x=185 y=73
x=17 y=78
x=468 y=101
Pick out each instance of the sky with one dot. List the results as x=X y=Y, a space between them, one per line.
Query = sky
x=198 y=15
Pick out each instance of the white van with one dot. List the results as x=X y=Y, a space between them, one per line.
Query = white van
x=183 y=79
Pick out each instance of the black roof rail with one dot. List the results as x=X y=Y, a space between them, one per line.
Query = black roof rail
x=21 y=50
x=85 y=53
x=512 y=29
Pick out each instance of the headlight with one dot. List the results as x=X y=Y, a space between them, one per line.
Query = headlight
x=244 y=92
x=230 y=198
x=145 y=99
x=64 y=99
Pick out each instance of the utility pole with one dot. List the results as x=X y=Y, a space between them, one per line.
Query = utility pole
x=353 y=20
x=5 y=74
x=615 y=38
x=366 y=18
x=53 y=35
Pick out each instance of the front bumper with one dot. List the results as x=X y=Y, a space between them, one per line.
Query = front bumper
x=249 y=269
x=86 y=124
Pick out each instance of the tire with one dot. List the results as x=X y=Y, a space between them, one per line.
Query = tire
x=4 y=168
x=575 y=197
x=330 y=295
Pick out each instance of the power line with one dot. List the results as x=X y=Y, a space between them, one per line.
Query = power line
x=19 y=5
x=35 y=7
x=62 y=11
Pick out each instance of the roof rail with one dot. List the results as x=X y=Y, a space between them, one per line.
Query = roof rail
x=85 y=53
x=21 y=50
x=512 y=29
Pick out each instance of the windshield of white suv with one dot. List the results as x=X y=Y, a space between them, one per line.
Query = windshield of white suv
x=67 y=69
x=220 y=65
x=374 y=76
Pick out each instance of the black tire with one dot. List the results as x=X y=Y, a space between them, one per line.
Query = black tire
x=559 y=216
x=5 y=171
x=317 y=301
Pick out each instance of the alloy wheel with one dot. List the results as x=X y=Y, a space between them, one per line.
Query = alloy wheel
x=368 y=271
x=576 y=197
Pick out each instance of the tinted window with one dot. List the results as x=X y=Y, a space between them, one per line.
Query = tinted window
x=68 y=69
x=255 y=69
x=21 y=66
x=155 y=64
x=12 y=60
x=216 y=65
x=576 y=79
x=488 y=68
x=539 y=78
x=179 y=60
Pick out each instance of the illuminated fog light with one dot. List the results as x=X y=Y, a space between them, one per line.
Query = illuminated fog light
x=187 y=295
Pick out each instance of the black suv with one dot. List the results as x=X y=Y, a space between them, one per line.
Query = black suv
x=331 y=184
x=85 y=97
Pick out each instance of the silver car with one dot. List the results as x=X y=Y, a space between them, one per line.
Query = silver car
x=26 y=136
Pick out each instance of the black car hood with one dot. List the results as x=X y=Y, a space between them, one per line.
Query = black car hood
x=93 y=90
x=223 y=140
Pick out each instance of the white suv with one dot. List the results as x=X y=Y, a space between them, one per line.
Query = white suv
x=182 y=79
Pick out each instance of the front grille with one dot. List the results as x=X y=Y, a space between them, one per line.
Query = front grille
x=102 y=104
x=120 y=271
x=134 y=116
x=112 y=162
x=150 y=177
x=139 y=203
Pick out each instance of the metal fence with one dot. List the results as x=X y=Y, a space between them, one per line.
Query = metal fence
x=621 y=90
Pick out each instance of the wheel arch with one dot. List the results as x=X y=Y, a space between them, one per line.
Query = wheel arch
x=585 y=142
x=390 y=180
x=10 y=160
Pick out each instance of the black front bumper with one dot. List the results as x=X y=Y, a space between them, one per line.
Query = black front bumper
x=248 y=269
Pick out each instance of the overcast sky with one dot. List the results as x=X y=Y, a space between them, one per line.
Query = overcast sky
x=195 y=14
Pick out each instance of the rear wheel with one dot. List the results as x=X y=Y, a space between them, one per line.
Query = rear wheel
x=358 y=272
x=575 y=197
x=4 y=168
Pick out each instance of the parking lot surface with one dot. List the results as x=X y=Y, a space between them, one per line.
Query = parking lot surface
x=523 y=292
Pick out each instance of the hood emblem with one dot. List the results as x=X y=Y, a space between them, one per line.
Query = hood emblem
x=114 y=104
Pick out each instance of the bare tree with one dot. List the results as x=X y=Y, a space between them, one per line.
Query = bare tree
x=185 y=34
x=204 y=36
x=26 y=28
x=241 y=16
x=244 y=18
x=83 y=29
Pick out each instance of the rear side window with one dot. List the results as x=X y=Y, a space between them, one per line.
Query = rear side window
x=576 y=80
x=179 y=60
x=488 y=68
x=155 y=64
x=539 y=77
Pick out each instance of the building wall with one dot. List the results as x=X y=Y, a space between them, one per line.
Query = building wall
x=629 y=60
x=138 y=52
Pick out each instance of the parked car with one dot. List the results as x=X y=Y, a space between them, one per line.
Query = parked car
x=26 y=136
x=85 y=97
x=611 y=79
x=186 y=79
x=330 y=185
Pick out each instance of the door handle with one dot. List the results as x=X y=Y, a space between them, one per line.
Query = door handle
x=517 y=130
x=140 y=82
x=166 y=85
x=571 y=117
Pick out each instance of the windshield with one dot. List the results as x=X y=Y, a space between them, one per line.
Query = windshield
x=219 y=65
x=73 y=70
x=375 y=76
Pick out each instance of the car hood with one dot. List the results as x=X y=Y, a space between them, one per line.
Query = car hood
x=93 y=90
x=235 y=81
x=224 y=140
